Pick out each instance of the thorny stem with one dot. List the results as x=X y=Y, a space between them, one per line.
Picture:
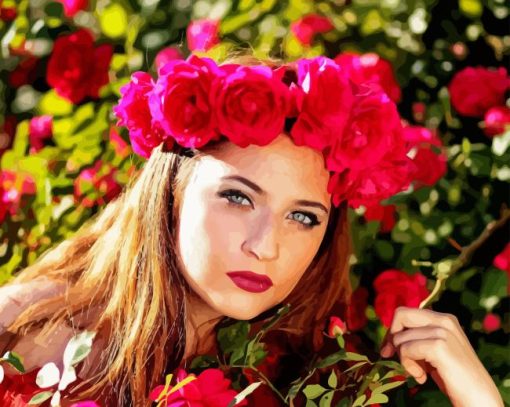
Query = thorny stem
x=466 y=254
x=268 y=382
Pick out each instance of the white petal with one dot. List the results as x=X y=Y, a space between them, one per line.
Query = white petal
x=55 y=400
x=68 y=376
x=48 y=376
x=1 y=374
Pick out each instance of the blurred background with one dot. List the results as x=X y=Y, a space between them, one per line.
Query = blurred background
x=62 y=64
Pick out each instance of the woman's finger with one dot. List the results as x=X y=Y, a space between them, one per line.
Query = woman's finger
x=413 y=353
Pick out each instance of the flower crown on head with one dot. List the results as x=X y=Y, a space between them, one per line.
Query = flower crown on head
x=356 y=126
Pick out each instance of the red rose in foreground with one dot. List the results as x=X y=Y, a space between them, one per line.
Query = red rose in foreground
x=76 y=68
x=308 y=26
x=496 y=120
x=202 y=34
x=370 y=68
x=473 y=91
x=209 y=389
x=427 y=153
x=356 y=317
x=395 y=288
x=18 y=389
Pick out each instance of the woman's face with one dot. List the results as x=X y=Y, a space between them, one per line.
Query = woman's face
x=262 y=210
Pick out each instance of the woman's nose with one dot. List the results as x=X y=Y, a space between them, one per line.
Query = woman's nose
x=262 y=241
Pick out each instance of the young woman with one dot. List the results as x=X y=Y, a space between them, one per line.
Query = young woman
x=240 y=207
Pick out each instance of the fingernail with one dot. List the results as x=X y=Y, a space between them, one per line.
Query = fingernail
x=385 y=351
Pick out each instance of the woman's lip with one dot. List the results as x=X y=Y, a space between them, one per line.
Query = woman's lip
x=249 y=281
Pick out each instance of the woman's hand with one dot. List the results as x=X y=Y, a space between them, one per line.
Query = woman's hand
x=433 y=342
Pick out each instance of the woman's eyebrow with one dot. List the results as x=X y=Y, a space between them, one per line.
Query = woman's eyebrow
x=260 y=191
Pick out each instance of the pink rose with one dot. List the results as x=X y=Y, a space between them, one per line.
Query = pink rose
x=13 y=186
x=324 y=99
x=395 y=288
x=383 y=214
x=133 y=112
x=77 y=69
x=356 y=316
x=473 y=91
x=370 y=68
x=373 y=131
x=251 y=104
x=181 y=103
x=166 y=55
x=427 y=154
x=496 y=119
x=71 y=7
x=40 y=129
x=308 y=26
x=203 y=34
x=209 y=389
x=491 y=323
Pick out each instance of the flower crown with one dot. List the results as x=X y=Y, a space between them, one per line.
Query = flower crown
x=356 y=126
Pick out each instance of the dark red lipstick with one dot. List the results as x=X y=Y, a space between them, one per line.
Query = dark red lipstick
x=251 y=282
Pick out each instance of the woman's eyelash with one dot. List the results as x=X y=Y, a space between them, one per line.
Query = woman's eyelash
x=229 y=193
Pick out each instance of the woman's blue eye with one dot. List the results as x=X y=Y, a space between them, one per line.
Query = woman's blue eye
x=235 y=197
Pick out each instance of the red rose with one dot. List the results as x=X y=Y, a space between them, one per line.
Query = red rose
x=203 y=34
x=395 y=288
x=308 y=26
x=496 y=119
x=18 y=389
x=251 y=104
x=166 y=55
x=24 y=73
x=71 y=7
x=336 y=326
x=356 y=317
x=8 y=14
x=473 y=91
x=502 y=262
x=324 y=100
x=181 y=102
x=383 y=214
x=370 y=68
x=96 y=185
x=77 y=69
x=427 y=154
x=491 y=323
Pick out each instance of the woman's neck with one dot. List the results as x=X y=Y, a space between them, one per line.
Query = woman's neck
x=200 y=322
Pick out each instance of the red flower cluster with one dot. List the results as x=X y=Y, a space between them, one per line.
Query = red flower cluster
x=96 y=185
x=70 y=70
x=355 y=126
x=307 y=27
x=13 y=186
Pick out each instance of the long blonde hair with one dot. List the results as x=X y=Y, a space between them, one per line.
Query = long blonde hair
x=124 y=261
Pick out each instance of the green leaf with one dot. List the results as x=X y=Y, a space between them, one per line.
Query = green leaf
x=377 y=398
x=203 y=362
x=332 y=380
x=40 y=397
x=15 y=360
x=355 y=366
x=326 y=399
x=494 y=287
x=331 y=359
x=234 y=336
x=359 y=401
x=114 y=21
x=351 y=356
x=313 y=391
x=388 y=386
x=310 y=403
x=345 y=402
x=341 y=341
x=78 y=348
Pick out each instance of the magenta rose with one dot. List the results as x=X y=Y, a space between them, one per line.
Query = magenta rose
x=496 y=119
x=209 y=389
x=252 y=103
x=324 y=99
x=71 y=7
x=203 y=34
x=426 y=150
x=76 y=68
x=133 y=112
x=40 y=129
x=166 y=55
x=308 y=26
x=370 y=68
x=369 y=186
x=372 y=132
x=181 y=103
x=395 y=288
x=473 y=91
